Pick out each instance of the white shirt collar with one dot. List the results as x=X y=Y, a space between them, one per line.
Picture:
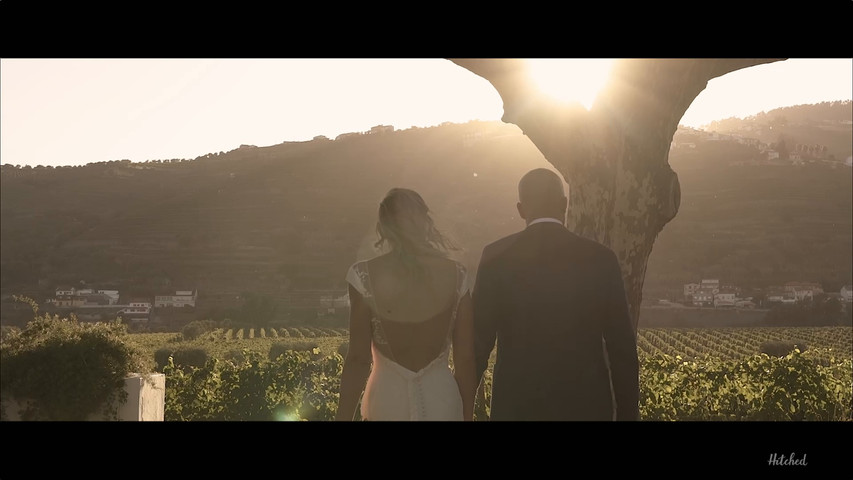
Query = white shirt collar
x=545 y=219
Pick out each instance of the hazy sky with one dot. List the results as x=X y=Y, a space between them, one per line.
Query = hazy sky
x=77 y=111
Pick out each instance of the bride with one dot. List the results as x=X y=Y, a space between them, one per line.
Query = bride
x=409 y=308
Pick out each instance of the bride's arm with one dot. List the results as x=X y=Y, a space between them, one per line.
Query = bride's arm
x=463 y=356
x=357 y=364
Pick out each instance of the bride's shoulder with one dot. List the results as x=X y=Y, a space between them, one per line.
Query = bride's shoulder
x=459 y=268
x=448 y=262
x=357 y=276
x=457 y=263
x=362 y=265
x=358 y=269
x=354 y=267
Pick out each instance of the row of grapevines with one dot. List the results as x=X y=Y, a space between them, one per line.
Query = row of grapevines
x=271 y=332
x=738 y=343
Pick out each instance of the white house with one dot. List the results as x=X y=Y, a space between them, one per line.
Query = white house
x=779 y=295
x=138 y=306
x=847 y=293
x=181 y=298
x=703 y=297
x=69 y=301
x=331 y=302
x=690 y=289
x=712 y=284
x=64 y=291
x=111 y=294
x=724 y=299
x=744 y=304
x=803 y=290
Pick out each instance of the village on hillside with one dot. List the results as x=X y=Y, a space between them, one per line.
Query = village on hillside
x=710 y=293
x=144 y=314
x=96 y=304
x=798 y=154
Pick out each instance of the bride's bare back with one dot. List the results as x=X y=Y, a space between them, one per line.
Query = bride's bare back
x=408 y=309
x=413 y=313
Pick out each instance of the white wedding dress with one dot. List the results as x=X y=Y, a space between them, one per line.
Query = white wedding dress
x=412 y=392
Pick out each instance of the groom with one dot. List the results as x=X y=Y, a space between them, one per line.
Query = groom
x=556 y=303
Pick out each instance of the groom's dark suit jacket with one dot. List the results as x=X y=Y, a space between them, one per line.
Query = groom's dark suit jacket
x=549 y=297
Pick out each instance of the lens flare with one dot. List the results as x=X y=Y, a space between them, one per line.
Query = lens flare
x=571 y=79
x=285 y=416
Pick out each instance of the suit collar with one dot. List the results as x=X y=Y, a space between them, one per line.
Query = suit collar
x=545 y=220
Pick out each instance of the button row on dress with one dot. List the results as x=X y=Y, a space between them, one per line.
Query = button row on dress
x=421 y=398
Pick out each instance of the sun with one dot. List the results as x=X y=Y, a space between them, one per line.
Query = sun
x=571 y=79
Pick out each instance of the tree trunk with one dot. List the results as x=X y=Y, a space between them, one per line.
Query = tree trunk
x=615 y=157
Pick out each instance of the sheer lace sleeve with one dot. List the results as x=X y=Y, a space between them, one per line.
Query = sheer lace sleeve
x=356 y=276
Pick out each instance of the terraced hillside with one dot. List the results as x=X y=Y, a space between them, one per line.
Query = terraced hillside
x=294 y=216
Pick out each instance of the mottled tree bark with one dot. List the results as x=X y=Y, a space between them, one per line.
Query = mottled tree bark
x=615 y=157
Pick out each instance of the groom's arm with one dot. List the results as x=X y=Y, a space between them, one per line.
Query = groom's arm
x=621 y=344
x=484 y=296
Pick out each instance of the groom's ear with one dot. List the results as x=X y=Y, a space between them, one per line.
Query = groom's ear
x=520 y=210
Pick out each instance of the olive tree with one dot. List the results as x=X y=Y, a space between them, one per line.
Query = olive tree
x=615 y=156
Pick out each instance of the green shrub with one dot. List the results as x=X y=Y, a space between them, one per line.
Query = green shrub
x=277 y=349
x=161 y=357
x=795 y=387
x=62 y=369
x=295 y=386
x=190 y=357
x=197 y=328
x=7 y=331
x=235 y=356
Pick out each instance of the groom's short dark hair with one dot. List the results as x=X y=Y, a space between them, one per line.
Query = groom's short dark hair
x=540 y=188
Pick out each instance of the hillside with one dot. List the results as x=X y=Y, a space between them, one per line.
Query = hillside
x=264 y=219
x=296 y=215
x=827 y=123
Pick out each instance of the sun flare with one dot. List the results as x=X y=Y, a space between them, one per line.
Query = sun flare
x=571 y=79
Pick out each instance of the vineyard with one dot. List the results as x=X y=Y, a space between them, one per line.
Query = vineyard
x=227 y=344
x=293 y=373
x=738 y=343
x=721 y=343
